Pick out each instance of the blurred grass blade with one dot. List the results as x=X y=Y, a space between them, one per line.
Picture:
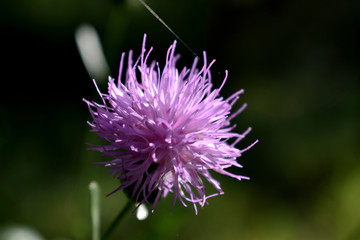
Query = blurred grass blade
x=94 y=189
x=91 y=51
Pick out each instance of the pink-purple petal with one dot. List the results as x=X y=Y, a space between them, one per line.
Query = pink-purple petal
x=167 y=129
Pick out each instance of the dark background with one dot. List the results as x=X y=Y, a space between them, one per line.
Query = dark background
x=298 y=62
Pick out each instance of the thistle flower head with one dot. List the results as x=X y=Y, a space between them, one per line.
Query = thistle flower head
x=166 y=129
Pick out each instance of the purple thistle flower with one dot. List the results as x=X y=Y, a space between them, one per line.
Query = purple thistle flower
x=166 y=130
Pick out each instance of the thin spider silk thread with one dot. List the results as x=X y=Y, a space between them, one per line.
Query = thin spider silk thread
x=168 y=28
x=172 y=31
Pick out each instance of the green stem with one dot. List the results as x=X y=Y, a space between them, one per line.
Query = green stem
x=117 y=220
x=95 y=209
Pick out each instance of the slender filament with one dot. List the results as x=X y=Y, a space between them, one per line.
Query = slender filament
x=168 y=28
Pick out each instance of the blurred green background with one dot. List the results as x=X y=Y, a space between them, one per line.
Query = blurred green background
x=298 y=62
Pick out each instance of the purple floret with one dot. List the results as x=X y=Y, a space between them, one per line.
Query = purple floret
x=166 y=129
